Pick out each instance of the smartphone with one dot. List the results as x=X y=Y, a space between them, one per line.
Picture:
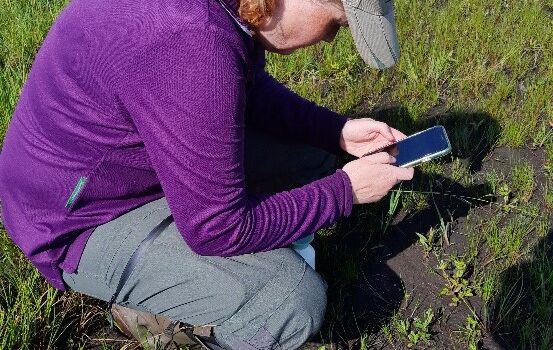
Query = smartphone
x=420 y=147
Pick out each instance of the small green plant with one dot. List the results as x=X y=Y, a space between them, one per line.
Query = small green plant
x=414 y=201
x=395 y=197
x=548 y=194
x=403 y=327
x=427 y=242
x=491 y=233
x=415 y=330
x=364 y=342
x=388 y=333
x=472 y=333
x=460 y=172
x=421 y=332
x=445 y=227
x=543 y=135
x=505 y=193
x=523 y=181
x=508 y=200
x=457 y=284
x=548 y=166
x=488 y=286
x=494 y=181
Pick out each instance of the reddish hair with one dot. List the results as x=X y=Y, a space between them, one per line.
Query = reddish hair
x=254 y=12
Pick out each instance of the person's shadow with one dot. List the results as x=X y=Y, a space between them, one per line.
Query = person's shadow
x=522 y=312
x=364 y=292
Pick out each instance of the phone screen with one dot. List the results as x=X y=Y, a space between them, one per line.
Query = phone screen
x=430 y=142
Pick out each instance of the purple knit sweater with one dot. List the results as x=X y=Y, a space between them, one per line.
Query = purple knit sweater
x=131 y=100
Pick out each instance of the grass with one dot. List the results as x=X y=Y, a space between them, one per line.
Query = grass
x=523 y=181
x=22 y=29
x=483 y=69
x=34 y=315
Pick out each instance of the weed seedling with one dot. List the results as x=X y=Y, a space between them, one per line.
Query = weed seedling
x=415 y=330
x=505 y=193
x=421 y=332
x=427 y=242
x=457 y=285
x=472 y=333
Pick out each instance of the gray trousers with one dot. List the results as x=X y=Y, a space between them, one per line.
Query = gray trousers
x=266 y=300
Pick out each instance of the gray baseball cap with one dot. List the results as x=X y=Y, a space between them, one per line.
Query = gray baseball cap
x=373 y=27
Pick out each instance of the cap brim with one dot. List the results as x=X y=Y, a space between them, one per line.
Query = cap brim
x=375 y=36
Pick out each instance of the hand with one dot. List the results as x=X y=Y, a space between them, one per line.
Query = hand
x=373 y=176
x=360 y=136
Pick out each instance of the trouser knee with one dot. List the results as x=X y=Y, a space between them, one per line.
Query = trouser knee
x=283 y=315
x=301 y=316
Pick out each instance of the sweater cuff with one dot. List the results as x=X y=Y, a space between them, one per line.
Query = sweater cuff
x=347 y=193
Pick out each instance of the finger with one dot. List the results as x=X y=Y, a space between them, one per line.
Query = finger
x=398 y=134
x=404 y=174
x=377 y=146
x=380 y=158
x=384 y=130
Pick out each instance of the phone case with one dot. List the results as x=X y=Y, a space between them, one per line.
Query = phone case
x=430 y=156
x=420 y=160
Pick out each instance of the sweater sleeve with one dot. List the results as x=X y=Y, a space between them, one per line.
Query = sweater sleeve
x=279 y=111
x=186 y=97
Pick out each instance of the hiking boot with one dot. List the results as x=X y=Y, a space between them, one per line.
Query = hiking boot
x=155 y=331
